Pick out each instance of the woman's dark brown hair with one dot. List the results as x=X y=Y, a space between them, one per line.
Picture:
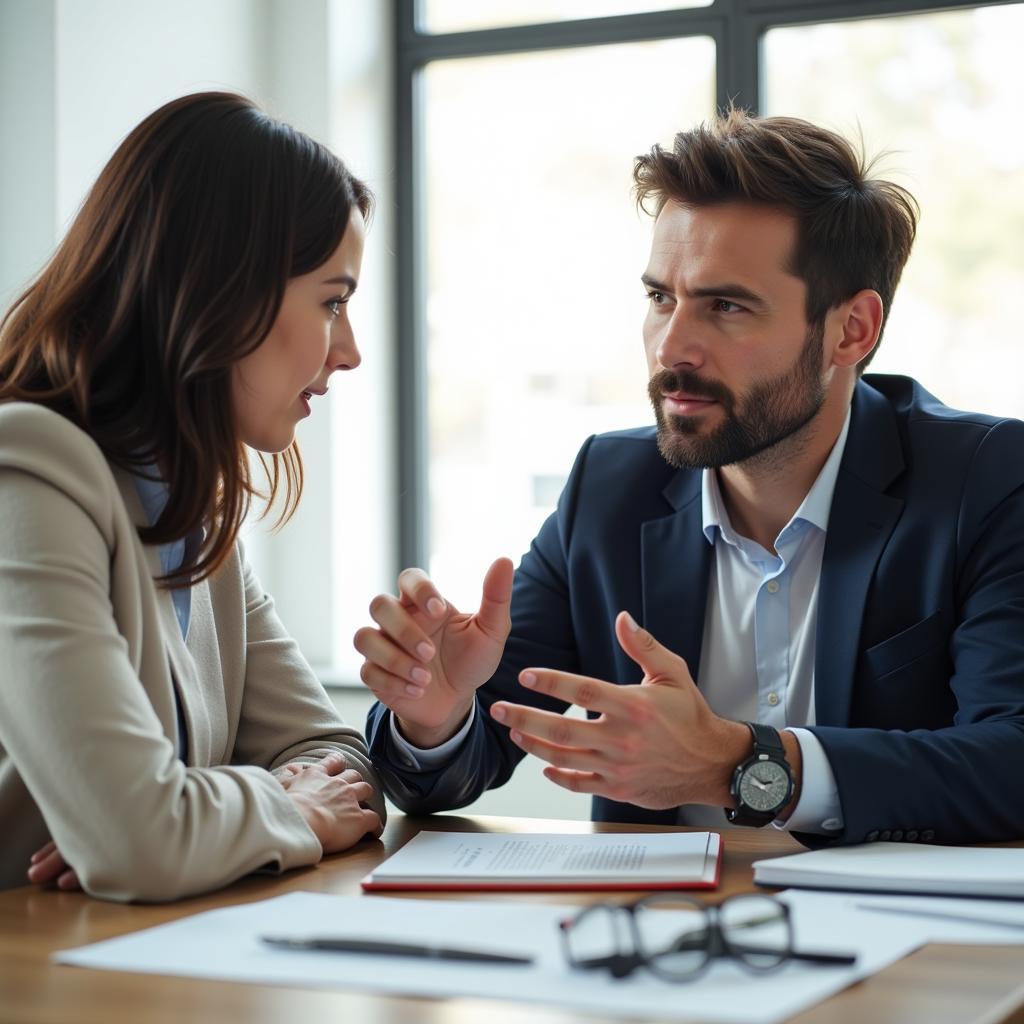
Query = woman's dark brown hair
x=853 y=231
x=174 y=268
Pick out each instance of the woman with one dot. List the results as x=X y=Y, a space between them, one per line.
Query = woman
x=160 y=734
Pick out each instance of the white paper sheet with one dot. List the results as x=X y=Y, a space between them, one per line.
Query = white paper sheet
x=225 y=944
x=633 y=858
x=901 y=867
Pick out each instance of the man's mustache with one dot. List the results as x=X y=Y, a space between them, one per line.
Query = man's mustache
x=668 y=381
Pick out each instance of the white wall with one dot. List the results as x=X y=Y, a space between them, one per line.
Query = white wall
x=28 y=140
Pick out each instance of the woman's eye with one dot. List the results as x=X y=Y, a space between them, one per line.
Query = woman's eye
x=335 y=304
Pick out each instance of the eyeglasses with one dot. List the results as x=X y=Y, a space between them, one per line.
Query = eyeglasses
x=752 y=928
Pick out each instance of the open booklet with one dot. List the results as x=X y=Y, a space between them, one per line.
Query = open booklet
x=901 y=867
x=552 y=862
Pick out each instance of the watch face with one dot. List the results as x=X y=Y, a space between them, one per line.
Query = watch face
x=764 y=786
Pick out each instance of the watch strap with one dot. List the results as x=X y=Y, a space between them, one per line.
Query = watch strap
x=767 y=741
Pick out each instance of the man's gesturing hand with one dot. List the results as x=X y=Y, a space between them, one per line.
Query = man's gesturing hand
x=426 y=659
x=655 y=745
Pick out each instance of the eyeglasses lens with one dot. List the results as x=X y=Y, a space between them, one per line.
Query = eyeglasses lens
x=675 y=943
x=757 y=930
x=599 y=934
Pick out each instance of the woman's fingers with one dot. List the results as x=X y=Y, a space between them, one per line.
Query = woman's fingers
x=43 y=851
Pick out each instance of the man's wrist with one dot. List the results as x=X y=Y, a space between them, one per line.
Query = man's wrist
x=794 y=757
x=425 y=737
x=735 y=744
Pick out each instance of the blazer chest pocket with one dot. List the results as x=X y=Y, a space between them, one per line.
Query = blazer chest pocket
x=924 y=637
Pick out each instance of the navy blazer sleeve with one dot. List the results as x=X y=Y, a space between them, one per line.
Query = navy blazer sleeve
x=542 y=635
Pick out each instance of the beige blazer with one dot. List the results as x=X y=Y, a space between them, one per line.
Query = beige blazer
x=90 y=650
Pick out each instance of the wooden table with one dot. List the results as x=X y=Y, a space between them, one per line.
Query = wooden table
x=938 y=984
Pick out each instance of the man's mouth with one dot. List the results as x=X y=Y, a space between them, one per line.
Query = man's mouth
x=681 y=403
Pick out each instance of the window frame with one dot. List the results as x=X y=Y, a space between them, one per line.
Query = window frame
x=738 y=28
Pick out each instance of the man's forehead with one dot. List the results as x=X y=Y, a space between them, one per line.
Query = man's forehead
x=736 y=238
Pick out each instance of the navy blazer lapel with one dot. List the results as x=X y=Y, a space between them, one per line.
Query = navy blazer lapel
x=861 y=521
x=675 y=570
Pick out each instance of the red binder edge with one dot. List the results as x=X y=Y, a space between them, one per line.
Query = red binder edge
x=368 y=885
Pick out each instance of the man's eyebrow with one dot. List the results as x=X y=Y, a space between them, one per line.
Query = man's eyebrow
x=729 y=290
x=343 y=279
x=652 y=285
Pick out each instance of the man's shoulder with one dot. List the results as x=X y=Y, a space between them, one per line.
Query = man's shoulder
x=950 y=447
x=914 y=404
x=626 y=455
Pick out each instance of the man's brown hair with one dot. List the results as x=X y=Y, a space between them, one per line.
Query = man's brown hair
x=853 y=231
x=174 y=269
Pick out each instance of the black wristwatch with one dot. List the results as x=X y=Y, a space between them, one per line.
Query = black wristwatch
x=762 y=784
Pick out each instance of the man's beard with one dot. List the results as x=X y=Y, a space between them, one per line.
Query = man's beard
x=771 y=411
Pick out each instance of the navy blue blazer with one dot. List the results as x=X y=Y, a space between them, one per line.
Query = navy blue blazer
x=919 y=665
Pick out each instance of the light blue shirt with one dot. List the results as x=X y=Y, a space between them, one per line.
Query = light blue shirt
x=760 y=625
x=153 y=494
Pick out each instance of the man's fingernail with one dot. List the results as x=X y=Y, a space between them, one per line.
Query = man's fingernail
x=425 y=650
x=631 y=623
x=528 y=679
x=420 y=675
x=498 y=713
x=435 y=606
x=413 y=691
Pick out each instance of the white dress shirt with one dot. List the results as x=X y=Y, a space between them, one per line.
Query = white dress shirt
x=757 y=655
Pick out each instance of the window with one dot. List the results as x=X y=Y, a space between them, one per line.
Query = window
x=534 y=252
x=520 y=249
x=940 y=93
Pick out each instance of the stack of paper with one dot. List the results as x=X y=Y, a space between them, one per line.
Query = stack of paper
x=551 y=861
x=901 y=867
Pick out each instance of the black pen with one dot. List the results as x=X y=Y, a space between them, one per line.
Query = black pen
x=383 y=948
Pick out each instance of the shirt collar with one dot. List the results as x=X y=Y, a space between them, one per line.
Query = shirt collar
x=814 y=509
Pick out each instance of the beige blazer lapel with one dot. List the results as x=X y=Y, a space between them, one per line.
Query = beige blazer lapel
x=183 y=670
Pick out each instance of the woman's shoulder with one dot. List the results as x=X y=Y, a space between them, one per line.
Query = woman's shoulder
x=45 y=444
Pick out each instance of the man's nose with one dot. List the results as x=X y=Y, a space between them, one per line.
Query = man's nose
x=681 y=343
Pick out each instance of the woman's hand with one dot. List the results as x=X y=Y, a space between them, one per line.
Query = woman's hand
x=47 y=865
x=426 y=659
x=330 y=799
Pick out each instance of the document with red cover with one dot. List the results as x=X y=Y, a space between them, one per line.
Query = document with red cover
x=551 y=862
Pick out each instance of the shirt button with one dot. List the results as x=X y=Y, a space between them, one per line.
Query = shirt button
x=773 y=699
x=773 y=587
x=897 y=835
x=912 y=836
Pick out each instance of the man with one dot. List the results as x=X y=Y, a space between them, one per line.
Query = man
x=837 y=562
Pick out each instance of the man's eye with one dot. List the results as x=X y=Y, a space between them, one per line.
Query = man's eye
x=725 y=306
x=656 y=297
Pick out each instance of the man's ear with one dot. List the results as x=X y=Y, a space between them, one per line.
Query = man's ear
x=860 y=321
